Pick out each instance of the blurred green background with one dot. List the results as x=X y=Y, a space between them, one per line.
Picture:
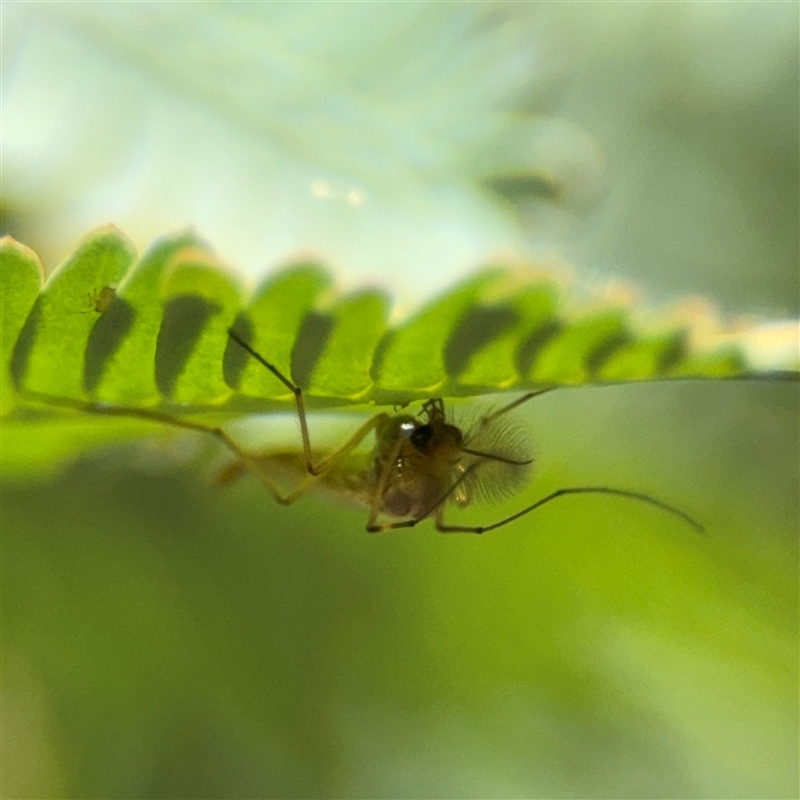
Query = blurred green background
x=163 y=640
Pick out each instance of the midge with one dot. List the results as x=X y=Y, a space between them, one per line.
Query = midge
x=417 y=467
x=99 y=300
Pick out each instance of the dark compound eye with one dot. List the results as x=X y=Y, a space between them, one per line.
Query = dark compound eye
x=421 y=437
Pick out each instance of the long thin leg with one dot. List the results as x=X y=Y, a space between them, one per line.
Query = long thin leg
x=337 y=456
x=155 y=416
x=301 y=412
x=393 y=526
x=352 y=442
x=489 y=418
x=375 y=506
x=293 y=388
x=249 y=461
x=444 y=528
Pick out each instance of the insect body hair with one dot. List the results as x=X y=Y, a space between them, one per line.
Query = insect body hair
x=508 y=440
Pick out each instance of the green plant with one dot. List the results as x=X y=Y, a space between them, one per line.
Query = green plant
x=151 y=333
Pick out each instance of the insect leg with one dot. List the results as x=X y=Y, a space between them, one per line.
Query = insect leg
x=391 y=526
x=249 y=461
x=331 y=461
x=644 y=498
x=232 y=471
x=375 y=505
x=351 y=444
x=489 y=418
x=293 y=388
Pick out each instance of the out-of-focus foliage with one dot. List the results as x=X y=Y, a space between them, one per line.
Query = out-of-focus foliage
x=163 y=640
x=160 y=640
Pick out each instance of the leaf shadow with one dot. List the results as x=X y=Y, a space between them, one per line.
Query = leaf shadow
x=105 y=339
x=185 y=319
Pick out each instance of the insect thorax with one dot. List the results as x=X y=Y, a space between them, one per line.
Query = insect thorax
x=415 y=462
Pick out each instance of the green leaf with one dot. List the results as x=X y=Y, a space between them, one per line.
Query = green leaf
x=412 y=360
x=507 y=327
x=577 y=351
x=21 y=278
x=50 y=353
x=123 y=342
x=354 y=328
x=201 y=302
x=272 y=323
x=153 y=334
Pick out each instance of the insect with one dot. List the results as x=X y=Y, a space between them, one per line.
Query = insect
x=418 y=465
x=100 y=299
